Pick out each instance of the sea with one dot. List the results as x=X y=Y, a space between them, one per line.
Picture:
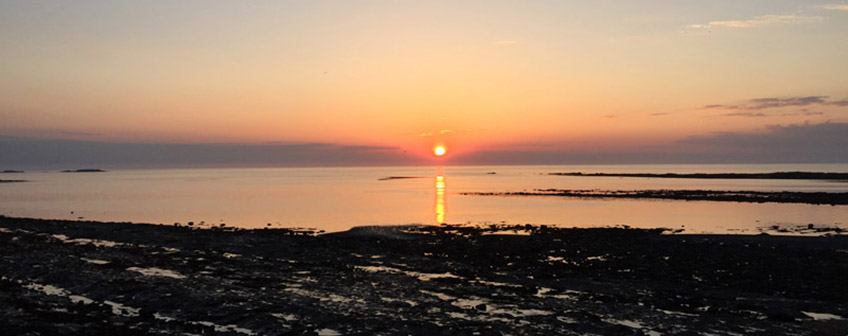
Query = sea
x=339 y=198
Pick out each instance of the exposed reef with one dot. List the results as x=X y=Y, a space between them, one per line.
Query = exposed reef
x=387 y=178
x=12 y=181
x=758 y=176
x=687 y=195
x=84 y=171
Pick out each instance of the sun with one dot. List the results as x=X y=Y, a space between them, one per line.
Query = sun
x=439 y=150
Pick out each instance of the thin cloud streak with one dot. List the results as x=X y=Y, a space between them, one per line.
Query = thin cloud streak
x=760 y=21
x=760 y=114
x=835 y=7
x=745 y=114
x=778 y=102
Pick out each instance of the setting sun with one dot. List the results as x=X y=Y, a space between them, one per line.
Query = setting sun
x=439 y=150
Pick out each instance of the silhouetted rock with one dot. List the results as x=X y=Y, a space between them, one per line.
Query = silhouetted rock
x=387 y=178
x=12 y=181
x=829 y=198
x=84 y=171
x=756 y=176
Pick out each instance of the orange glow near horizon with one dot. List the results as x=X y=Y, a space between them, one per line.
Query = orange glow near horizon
x=414 y=77
x=440 y=150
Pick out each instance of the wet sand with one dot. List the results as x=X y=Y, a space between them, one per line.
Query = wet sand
x=69 y=277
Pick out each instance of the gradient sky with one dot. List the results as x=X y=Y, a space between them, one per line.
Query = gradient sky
x=557 y=77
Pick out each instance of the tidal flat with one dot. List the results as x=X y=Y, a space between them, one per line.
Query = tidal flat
x=77 y=277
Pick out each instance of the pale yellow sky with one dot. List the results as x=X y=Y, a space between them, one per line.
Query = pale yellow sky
x=578 y=76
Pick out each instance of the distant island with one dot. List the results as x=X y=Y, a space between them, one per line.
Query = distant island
x=9 y=171
x=12 y=181
x=398 y=178
x=763 y=176
x=84 y=171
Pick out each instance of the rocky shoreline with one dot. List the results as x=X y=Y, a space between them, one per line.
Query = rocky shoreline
x=74 y=277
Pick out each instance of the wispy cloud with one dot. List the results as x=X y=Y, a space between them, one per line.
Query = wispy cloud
x=773 y=102
x=838 y=7
x=804 y=113
x=778 y=102
x=745 y=114
x=761 y=114
x=439 y=132
x=760 y=21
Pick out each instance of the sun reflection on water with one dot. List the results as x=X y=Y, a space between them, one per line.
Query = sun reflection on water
x=440 y=197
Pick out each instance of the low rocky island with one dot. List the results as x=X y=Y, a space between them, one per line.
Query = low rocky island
x=87 y=170
x=74 y=277
x=12 y=181
x=729 y=176
x=820 y=198
x=389 y=178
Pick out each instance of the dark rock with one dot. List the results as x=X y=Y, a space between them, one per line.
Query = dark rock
x=84 y=171
x=177 y=280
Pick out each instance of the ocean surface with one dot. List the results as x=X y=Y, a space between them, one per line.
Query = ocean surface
x=336 y=199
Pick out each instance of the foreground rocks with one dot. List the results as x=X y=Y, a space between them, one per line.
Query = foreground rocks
x=64 y=277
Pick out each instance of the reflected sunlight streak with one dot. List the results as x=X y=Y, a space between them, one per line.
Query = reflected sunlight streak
x=440 y=199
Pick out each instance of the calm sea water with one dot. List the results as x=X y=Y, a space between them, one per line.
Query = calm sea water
x=336 y=199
